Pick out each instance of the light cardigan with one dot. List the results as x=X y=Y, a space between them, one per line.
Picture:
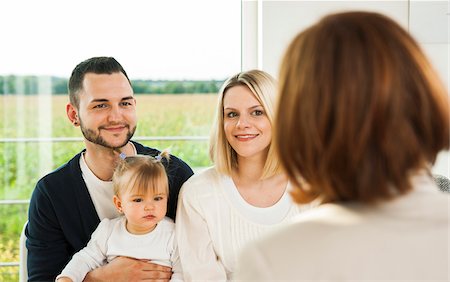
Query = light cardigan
x=405 y=239
x=211 y=229
x=111 y=239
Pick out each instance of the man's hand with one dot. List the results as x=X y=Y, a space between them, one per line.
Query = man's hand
x=129 y=269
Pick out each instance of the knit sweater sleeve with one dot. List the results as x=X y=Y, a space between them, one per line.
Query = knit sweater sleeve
x=197 y=254
x=177 y=271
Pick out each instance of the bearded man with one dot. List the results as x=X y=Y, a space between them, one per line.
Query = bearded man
x=68 y=204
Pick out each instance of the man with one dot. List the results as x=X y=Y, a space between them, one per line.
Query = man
x=67 y=204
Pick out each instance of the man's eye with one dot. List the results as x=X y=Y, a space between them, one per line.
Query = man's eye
x=126 y=104
x=100 y=106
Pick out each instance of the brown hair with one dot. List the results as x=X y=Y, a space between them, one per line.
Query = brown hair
x=97 y=65
x=142 y=174
x=362 y=107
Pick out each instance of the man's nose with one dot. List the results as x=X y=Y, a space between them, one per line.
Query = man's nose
x=115 y=114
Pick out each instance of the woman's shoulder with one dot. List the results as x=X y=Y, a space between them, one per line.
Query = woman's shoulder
x=204 y=182
x=204 y=178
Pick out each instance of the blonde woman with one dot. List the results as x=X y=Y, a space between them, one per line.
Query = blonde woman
x=245 y=194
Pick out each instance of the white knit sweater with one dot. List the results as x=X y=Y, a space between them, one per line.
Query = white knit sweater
x=214 y=223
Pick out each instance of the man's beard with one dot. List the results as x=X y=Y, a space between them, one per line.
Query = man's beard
x=91 y=136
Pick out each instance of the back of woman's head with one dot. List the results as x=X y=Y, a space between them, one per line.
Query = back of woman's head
x=362 y=107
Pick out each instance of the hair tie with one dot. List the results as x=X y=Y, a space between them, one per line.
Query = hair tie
x=122 y=156
x=163 y=154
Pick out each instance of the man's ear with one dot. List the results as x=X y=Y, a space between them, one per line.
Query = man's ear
x=117 y=203
x=72 y=114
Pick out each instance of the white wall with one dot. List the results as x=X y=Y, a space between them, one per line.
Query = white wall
x=269 y=26
x=429 y=24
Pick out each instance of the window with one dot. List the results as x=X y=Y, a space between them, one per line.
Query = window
x=172 y=46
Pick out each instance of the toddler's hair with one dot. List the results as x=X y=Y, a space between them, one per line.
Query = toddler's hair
x=141 y=174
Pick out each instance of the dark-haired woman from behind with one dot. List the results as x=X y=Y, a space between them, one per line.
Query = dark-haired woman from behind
x=366 y=115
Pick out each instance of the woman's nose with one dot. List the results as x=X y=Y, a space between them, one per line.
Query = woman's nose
x=242 y=122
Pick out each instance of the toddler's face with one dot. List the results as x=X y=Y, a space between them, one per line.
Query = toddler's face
x=143 y=212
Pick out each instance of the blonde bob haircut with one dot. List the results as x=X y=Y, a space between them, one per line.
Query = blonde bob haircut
x=363 y=108
x=263 y=86
x=141 y=174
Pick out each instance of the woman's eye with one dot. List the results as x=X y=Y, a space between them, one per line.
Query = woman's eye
x=158 y=198
x=258 y=113
x=231 y=114
x=137 y=200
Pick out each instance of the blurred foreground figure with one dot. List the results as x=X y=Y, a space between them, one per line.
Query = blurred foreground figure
x=361 y=118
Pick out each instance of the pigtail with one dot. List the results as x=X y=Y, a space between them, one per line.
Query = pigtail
x=164 y=154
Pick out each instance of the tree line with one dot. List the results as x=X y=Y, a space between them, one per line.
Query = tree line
x=31 y=85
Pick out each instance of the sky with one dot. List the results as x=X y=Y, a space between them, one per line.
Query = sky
x=152 y=39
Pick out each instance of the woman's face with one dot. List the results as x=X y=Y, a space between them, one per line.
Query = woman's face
x=246 y=125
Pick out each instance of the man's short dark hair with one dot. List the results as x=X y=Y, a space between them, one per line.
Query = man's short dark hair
x=97 y=65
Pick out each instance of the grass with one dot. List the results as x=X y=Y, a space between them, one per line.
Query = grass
x=22 y=164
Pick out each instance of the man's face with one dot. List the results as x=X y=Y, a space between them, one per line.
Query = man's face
x=107 y=110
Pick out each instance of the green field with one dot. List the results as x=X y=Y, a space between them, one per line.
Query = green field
x=23 y=163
